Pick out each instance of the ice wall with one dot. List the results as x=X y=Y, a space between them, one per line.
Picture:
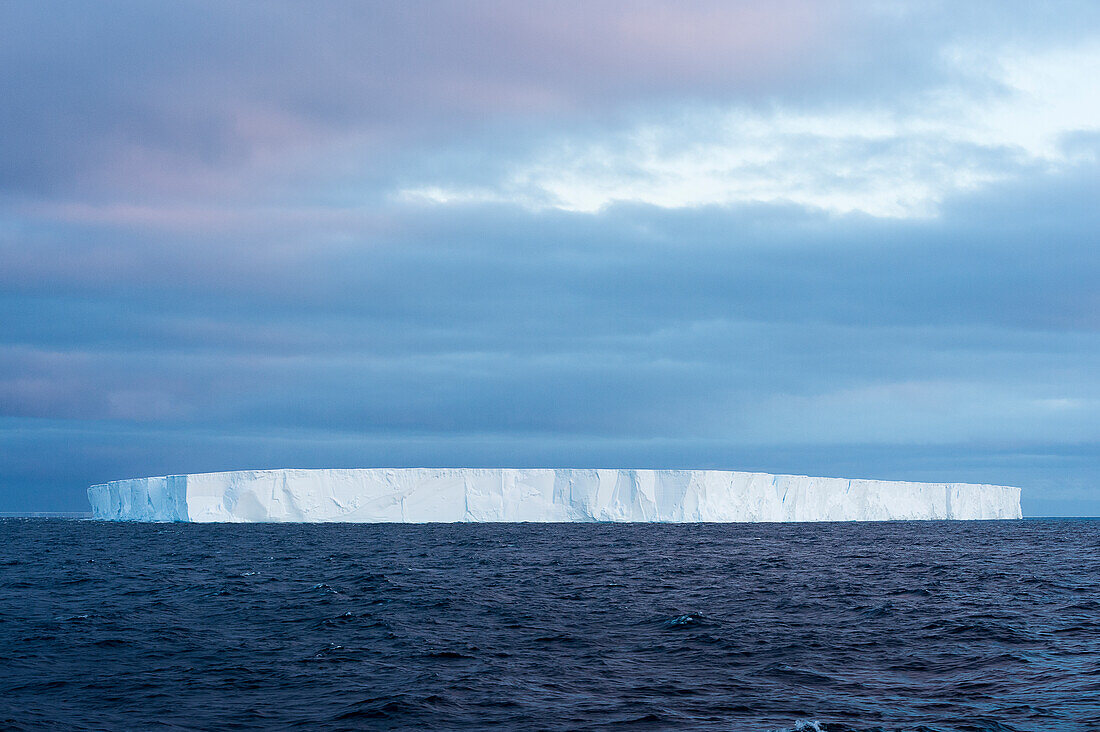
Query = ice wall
x=418 y=495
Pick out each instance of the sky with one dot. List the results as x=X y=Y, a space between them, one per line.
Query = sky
x=854 y=239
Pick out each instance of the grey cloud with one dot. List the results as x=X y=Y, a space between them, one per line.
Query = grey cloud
x=1018 y=256
x=198 y=98
x=160 y=312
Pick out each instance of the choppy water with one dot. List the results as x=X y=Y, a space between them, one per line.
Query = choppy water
x=914 y=626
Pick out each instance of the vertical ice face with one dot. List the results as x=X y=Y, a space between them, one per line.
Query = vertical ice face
x=419 y=495
x=141 y=499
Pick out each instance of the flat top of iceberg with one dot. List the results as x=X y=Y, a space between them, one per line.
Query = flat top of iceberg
x=476 y=469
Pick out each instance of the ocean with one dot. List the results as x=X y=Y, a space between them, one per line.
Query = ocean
x=991 y=625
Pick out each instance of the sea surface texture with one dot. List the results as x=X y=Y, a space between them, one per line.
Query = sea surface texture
x=991 y=625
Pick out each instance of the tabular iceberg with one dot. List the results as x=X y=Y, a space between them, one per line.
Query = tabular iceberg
x=421 y=495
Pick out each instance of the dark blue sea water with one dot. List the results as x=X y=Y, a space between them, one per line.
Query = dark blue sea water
x=894 y=626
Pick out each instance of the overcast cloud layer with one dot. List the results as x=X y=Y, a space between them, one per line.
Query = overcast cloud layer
x=853 y=239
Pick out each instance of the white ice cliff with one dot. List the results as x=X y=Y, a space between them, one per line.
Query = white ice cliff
x=418 y=495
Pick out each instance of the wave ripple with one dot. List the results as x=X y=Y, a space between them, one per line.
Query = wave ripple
x=940 y=626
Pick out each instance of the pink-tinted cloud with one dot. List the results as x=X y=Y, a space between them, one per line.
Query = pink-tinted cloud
x=213 y=99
